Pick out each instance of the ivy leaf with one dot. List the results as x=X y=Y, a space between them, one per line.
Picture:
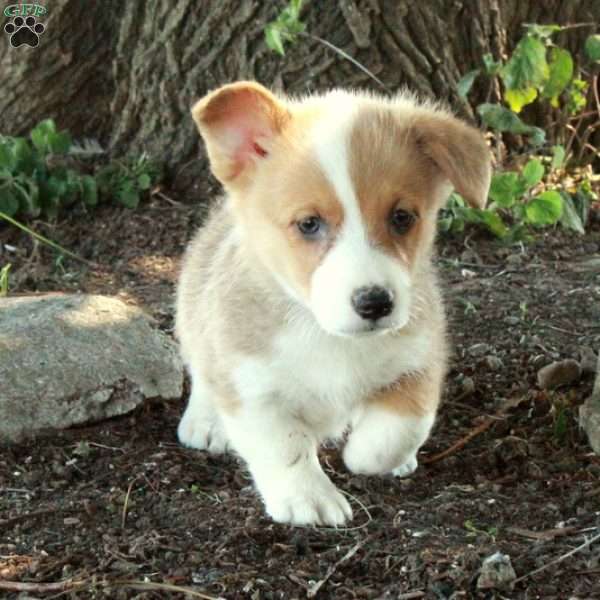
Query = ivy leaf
x=533 y=172
x=517 y=99
x=576 y=96
x=592 y=47
x=9 y=203
x=144 y=181
x=542 y=31
x=561 y=72
x=89 y=190
x=492 y=67
x=273 y=38
x=527 y=67
x=7 y=158
x=25 y=160
x=466 y=83
x=506 y=188
x=545 y=209
x=59 y=143
x=502 y=119
x=570 y=217
x=128 y=195
x=491 y=220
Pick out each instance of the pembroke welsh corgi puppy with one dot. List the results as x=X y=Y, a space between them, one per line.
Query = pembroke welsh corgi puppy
x=308 y=305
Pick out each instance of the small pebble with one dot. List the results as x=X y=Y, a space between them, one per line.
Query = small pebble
x=496 y=572
x=479 y=349
x=493 y=363
x=559 y=373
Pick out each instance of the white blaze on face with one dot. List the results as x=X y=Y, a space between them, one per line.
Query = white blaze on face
x=353 y=262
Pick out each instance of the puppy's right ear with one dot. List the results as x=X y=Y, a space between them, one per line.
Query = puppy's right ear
x=238 y=123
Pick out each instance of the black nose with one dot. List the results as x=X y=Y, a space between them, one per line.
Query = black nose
x=372 y=302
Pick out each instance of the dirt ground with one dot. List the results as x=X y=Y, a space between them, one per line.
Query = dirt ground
x=119 y=510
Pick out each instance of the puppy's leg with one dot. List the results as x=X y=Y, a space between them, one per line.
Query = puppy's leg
x=281 y=454
x=201 y=426
x=393 y=427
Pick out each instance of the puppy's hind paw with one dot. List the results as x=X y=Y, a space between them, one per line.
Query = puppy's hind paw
x=406 y=469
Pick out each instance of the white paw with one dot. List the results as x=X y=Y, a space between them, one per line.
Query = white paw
x=306 y=504
x=409 y=467
x=202 y=433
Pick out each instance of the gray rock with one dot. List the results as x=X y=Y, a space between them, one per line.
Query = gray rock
x=559 y=373
x=496 y=572
x=479 y=349
x=493 y=363
x=589 y=414
x=588 y=360
x=69 y=359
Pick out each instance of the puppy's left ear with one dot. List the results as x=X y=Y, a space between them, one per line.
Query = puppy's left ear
x=459 y=151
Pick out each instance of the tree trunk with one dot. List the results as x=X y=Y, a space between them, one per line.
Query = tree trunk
x=127 y=73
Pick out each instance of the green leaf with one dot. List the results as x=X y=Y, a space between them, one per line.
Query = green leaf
x=89 y=190
x=492 y=67
x=533 y=172
x=30 y=195
x=24 y=156
x=592 y=47
x=502 y=119
x=570 y=217
x=561 y=72
x=7 y=158
x=488 y=218
x=128 y=195
x=517 y=99
x=466 y=83
x=527 y=67
x=40 y=135
x=144 y=181
x=545 y=209
x=558 y=157
x=59 y=143
x=506 y=188
x=273 y=38
x=576 y=96
x=9 y=203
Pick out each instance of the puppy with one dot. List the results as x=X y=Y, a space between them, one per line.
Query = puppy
x=308 y=304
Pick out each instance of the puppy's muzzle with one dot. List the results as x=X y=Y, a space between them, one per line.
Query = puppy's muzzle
x=372 y=303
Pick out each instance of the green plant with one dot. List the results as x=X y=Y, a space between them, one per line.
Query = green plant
x=41 y=175
x=540 y=71
x=4 y=279
x=474 y=531
x=127 y=179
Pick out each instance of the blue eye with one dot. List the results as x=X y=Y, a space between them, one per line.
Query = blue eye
x=310 y=227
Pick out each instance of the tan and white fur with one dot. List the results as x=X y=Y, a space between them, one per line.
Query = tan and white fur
x=280 y=357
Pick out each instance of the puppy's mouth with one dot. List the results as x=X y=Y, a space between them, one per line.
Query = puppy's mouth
x=370 y=330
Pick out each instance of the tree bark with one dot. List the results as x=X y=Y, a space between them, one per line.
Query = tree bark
x=127 y=73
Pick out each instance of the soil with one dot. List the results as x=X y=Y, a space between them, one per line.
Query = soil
x=119 y=510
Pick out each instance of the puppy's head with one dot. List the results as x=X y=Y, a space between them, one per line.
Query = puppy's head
x=338 y=194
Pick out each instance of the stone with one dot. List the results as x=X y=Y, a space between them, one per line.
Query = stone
x=493 y=363
x=559 y=373
x=589 y=414
x=479 y=349
x=71 y=359
x=496 y=572
x=588 y=360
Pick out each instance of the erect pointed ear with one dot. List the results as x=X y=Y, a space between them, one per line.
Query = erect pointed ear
x=459 y=151
x=238 y=123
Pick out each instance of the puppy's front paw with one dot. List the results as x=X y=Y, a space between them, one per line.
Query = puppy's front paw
x=406 y=469
x=309 y=503
x=203 y=433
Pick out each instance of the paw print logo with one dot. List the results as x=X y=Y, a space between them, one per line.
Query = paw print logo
x=24 y=31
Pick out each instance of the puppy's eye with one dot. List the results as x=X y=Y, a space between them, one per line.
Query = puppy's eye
x=311 y=227
x=402 y=220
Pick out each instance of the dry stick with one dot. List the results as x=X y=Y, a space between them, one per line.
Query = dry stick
x=462 y=442
x=314 y=589
x=347 y=57
x=560 y=558
x=125 y=504
x=41 y=588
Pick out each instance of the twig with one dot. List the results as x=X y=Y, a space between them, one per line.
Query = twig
x=560 y=558
x=462 y=442
x=347 y=57
x=32 y=515
x=314 y=589
x=41 y=588
x=46 y=241
x=411 y=595
x=126 y=503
